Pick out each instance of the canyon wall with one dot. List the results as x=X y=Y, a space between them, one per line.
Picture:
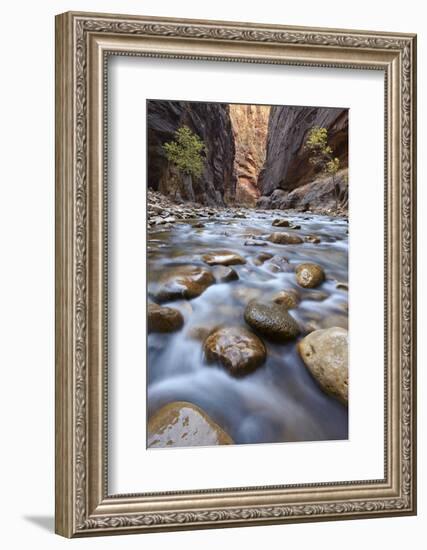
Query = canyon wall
x=211 y=122
x=250 y=125
x=288 y=179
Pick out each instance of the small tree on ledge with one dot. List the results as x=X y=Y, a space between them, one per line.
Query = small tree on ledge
x=186 y=153
x=322 y=155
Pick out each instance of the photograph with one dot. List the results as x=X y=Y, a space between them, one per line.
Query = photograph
x=235 y=271
x=247 y=273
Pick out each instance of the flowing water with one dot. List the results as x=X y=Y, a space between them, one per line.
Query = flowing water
x=280 y=401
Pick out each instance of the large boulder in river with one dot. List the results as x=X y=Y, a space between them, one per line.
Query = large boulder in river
x=285 y=238
x=186 y=281
x=310 y=275
x=163 y=319
x=236 y=348
x=271 y=320
x=181 y=424
x=325 y=353
x=223 y=257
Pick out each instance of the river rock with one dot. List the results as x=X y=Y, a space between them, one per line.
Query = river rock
x=261 y=258
x=278 y=264
x=316 y=295
x=223 y=257
x=313 y=239
x=271 y=320
x=287 y=298
x=181 y=424
x=224 y=274
x=285 y=238
x=182 y=282
x=310 y=275
x=236 y=348
x=342 y=286
x=163 y=319
x=280 y=223
x=325 y=353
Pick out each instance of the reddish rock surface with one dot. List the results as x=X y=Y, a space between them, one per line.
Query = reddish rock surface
x=250 y=126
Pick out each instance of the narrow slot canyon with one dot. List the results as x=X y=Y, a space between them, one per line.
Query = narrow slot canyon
x=250 y=129
x=247 y=274
x=254 y=156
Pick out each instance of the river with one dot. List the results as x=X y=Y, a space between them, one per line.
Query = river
x=280 y=401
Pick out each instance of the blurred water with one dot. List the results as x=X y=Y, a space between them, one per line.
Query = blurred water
x=280 y=401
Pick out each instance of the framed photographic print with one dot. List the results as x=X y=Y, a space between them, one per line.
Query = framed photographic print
x=235 y=274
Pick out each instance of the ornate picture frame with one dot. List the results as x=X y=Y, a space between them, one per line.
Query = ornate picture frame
x=83 y=43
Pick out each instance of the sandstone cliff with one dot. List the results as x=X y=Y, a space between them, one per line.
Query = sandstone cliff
x=287 y=167
x=211 y=122
x=250 y=125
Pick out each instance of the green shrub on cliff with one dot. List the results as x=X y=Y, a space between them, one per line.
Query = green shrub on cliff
x=322 y=155
x=186 y=152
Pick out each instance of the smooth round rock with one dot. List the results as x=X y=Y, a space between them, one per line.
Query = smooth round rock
x=285 y=238
x=280 y=223
x=325 y=353
x=261 y=258
x=236 y=348
x=163 y=319
x=271 y=320
x=223 y=257
x=181 y=424
x=182 y=282
x=287 y=298
x=224 y=274
x=310 y=275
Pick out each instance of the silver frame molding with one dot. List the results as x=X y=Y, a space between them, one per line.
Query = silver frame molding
x=83 y=43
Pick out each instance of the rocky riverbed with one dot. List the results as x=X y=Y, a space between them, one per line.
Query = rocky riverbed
x=247 y=322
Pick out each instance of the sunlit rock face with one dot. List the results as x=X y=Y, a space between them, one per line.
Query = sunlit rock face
x=250 y=126
x=211 y=122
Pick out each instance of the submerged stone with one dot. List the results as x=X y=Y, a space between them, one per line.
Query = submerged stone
x=224 y=274
x=287 y=298
x=181 y=282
